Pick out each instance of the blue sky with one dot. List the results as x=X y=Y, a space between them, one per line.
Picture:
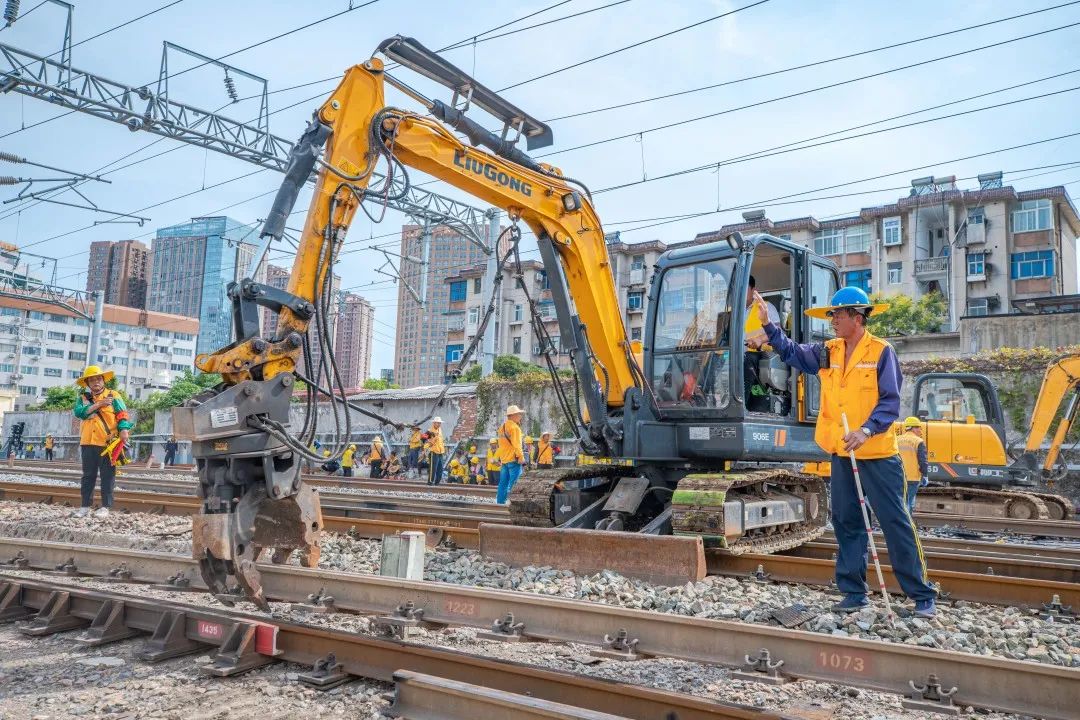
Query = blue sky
x=773 y=36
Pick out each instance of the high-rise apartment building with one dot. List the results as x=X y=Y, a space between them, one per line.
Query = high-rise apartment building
x=193 y=264
x=420 y=348
x=120 y=271
x=988 y=250
x=352 y=344
x=278 y=277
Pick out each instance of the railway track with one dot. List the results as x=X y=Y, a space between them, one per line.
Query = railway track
x=985 y=682
x=463 y=686
x=1012 y=578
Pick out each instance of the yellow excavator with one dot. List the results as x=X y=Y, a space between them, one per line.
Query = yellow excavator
x=968 y=453
x=686 y=455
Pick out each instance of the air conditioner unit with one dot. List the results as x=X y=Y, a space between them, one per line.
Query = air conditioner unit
x=537 y=349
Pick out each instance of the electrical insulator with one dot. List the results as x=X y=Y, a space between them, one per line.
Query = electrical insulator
x=230 y=87
x=11 y=11
x=8 y=180
x=11 y=157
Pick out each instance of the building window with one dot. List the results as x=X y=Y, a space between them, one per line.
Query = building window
x=119 y=360
x=8 y=347
x=53 y=372
x=896 y=272
x=180 y=351
x=79 y=338
x=31 y=350
x=1032 y=215
x=53 y=335
x=858 y=278
x=978 y=306
x=8 y=367
x=178 y=367
x=54 y=353
x=457 y=291
x=827 y=242
x=453 y=352
x=517 y=313
x=62 y=319
x=36 y=315
x=785 y=236
x=976 y=216
x=28 y=390
x=10 y=311
x=478 y=285
x=976 y=264
x=545 y=283
x=474 y=316
x=72 y=355
x=1035 y=264
x=161 y=349
x=638 y=262
x=635 y=333
x=141 y=363
x=71 y=373
x=890 y=231
x=857 y=239
x=28 y=370
x=517 y=346
x=635 y=300
x=158 y=365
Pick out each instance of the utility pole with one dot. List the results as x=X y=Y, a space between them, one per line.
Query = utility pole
x=95 y=328
x=490 y=343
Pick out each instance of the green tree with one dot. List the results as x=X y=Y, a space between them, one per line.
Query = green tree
x=59 y=398
x=473 y=374
x=511 y=366
x=380 y=384
x=184 y=387
x=909 y=317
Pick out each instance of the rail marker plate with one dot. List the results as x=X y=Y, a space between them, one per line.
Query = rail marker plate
x=210 y=630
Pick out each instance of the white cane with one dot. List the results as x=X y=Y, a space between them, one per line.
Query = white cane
x=866 y=520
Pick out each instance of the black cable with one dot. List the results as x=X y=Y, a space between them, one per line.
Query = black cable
x=632 y=46
x=811 y=64
x=728 y=111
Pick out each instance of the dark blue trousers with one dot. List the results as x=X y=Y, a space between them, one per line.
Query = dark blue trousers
x=883 y=485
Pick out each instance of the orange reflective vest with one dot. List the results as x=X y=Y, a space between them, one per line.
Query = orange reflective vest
x=510 y=443
x=435 y=442
x=909 y=443
x=376 y=451
x=115 y=415
x=545 y=453
x=851 y=390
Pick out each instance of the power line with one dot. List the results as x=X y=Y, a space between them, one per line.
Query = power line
x=632 y=46
x=809 y=91
x=809 y=65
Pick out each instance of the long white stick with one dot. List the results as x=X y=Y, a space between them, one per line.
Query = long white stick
x=866 y=520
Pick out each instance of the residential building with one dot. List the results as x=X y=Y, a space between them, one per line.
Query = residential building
x=420 y=347
x=44 y=346
x=387 y=374
x=631 y=266
x=988 y=250
x=193 y=264
x=119 y=270
x=352 y=343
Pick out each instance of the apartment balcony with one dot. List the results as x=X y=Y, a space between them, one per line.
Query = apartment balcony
x=929 y=268
x=633 y=277
x=456 y=325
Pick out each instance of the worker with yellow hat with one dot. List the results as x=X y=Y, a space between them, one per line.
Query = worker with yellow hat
x=375 y=457
x=436 y=449
x=347 y=460
x=458 y=472
x=511 y=455
x=860 y=383
x=105 y=423
x=530 y=451
x=545 y=451
x=494 y=467
x=913 y=456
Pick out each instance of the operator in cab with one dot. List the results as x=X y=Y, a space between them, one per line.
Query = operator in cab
x=860 y=377
x=757 y=349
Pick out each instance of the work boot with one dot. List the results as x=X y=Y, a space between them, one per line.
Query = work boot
x=851 y=603
x=925 y=608
x=101 y=512
x=82 y=512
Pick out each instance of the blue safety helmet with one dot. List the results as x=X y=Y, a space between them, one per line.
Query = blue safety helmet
x=853 y=298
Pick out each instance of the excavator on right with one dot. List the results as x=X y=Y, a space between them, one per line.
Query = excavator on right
x=969 y=463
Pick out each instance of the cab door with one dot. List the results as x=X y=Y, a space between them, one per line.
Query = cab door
x=823 y=284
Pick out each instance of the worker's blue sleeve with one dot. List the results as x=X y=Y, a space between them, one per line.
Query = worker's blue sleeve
x=804 y=357
x=889 y=380
x=924 y=468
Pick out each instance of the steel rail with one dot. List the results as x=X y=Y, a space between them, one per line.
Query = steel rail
x=1006 y=526
x=359 y=655
x=1013 y=582
x=988 y=682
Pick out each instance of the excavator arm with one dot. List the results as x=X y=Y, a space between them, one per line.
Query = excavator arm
x=1061 y=378
x=248 y=457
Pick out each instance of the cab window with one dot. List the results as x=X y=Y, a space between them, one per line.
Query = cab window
x=950 y=399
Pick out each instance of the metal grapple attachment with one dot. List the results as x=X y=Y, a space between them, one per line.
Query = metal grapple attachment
x=253 y=499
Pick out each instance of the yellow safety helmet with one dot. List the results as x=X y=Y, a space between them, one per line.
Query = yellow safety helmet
x=454 y=463
x=528 y=439
x=472 y=448
x=474 y=459
x=493 y=441
x=912 y=422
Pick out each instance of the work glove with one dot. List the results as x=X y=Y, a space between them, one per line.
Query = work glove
x=924 y=482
